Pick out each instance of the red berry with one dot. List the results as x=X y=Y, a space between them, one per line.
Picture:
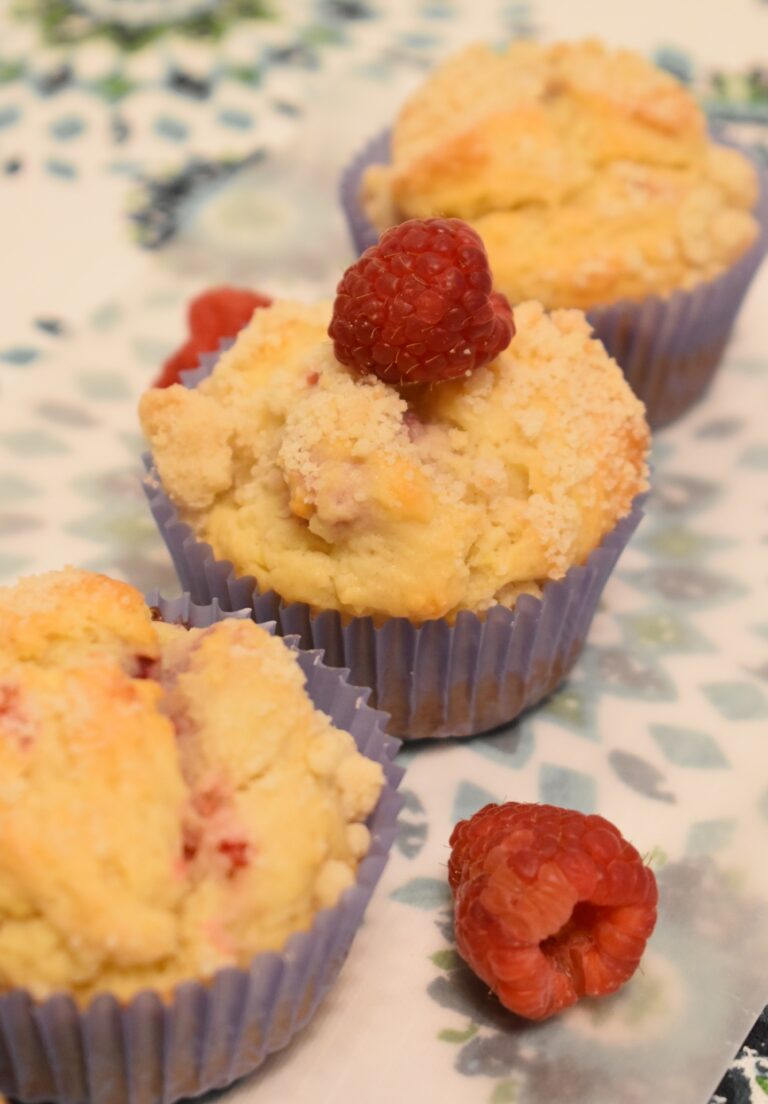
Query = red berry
x=184 y=359
x=222 y=312
x=216 y=314
x=16 y=723
x=418 y=306
x=551 y=905
x=235 y=852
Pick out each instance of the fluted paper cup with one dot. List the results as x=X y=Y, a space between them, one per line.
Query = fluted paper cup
x=375 y=152
x=206 y=1034
x=434 y=679
x=668 y=347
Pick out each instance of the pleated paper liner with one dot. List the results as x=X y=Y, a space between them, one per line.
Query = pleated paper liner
x=207 y=1034
x=668 y=347
x=434 y=679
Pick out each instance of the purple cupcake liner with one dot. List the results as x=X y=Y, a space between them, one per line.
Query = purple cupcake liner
x=207 y=1034
x=376 y=152
x=433 y=679
x=668 y=347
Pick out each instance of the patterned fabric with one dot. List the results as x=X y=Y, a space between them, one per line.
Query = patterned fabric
x=149 y=148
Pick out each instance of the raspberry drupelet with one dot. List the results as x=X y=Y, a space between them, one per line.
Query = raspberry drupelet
x=419 y=306
x=551 y=905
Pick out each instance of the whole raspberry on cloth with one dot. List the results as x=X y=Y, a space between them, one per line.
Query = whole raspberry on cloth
x=215 y=314
x=551 y=905
x=418 y=307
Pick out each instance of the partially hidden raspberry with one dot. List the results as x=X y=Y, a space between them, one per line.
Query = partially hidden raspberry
x=551 y=905
x=418 y=307
x=236 y=855
x=218 y=313
x=15 y=722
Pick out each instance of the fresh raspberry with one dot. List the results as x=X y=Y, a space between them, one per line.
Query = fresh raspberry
x=551 y=905
x=418 y=306
x=218 y=313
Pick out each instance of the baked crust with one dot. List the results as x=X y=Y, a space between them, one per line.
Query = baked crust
x=587 y=172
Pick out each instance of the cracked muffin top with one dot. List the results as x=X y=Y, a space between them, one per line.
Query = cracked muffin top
x=352 y=494
x=587 y=172
x=171 y=802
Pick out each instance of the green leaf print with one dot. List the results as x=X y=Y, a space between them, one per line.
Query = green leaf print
x=504 y=1093
x=450 y=1035
x=446 y=959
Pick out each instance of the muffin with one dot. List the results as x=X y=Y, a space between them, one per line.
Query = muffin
x=593 y=182
x=379 y=517
x=153 y=851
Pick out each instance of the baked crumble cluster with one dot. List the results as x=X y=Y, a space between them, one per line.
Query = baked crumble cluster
x=588 y=173
x=171 y=802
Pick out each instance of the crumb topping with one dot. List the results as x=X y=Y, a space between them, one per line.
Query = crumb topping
x=348 y=494
x=149 y=781
x=587 y=172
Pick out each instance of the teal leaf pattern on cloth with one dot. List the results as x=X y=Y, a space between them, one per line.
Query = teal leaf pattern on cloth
x=572 y=707
x=512 y=748
x=67 y=414
x=468 y=799
x=675 y=542
x=104 y=386
x=423 y=893
x=115 y=527
x=763 y=804
x=693 y=587
x=628 y=674
x=13 y=523
x=11 y=566
x=15 y=488
x=707 y=836
x=664 y=631
x=719 y=428
x=640 y=775
x=688 y=747
x=33 y=442
x=19 y=355
x=755 y=457
x=106 y=316
x=564 y=786
x=737 y=701
x=412 y=825
x=683 y=494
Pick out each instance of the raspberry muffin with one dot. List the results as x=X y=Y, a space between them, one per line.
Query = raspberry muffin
x=322 y=472
x=151 y=777
x=591 y=178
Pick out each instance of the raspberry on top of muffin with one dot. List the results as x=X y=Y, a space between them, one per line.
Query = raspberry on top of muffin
x=588 y=172
x=338 y=489
x=171 y=802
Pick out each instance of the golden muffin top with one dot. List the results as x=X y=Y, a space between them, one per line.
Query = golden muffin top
x=149 y=780
x=348 y=493
x=587 y=172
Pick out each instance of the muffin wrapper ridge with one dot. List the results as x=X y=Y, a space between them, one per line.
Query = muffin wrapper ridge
x=668 y=347
x=206 y=1035
x=434 y=679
